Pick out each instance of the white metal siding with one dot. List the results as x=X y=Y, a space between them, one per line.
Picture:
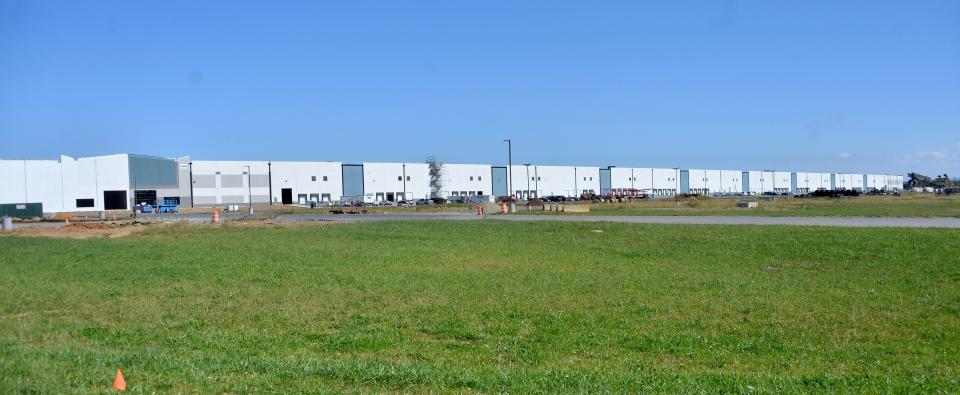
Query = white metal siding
x=383 y=178
x=458 y=178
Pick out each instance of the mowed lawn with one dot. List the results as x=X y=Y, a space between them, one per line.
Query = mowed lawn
x=909 y=205
x=484 y=306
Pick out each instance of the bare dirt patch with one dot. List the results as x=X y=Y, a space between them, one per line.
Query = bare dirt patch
x=113 y=230
x=82 y=230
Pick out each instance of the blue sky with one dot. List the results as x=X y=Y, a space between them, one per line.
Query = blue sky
x=817 y=85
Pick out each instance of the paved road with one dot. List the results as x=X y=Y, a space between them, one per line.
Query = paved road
x=905 y=222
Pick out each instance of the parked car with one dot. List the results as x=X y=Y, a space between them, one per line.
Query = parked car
x=456 y=199
x=438 y=200
x=421 y=202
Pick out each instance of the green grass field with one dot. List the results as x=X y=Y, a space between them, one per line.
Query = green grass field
x=485 y=306
x=909 y=205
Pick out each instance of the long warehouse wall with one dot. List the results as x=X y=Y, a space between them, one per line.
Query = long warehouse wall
x=120 y=181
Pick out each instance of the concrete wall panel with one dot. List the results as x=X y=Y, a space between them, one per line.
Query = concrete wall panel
x=232 y=180
x=204 y=181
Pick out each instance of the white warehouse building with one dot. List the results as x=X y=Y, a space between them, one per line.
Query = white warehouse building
x=118 y=182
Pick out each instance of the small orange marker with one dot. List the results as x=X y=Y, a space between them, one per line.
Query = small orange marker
x=119 y=383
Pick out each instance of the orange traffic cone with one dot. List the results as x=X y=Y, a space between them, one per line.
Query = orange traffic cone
x=119 y=383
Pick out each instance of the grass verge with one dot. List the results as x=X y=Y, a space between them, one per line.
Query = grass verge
x=485 y=306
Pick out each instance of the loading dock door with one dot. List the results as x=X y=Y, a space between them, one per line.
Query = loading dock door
x=286 y=196
x=684 y=181
x=352 y=180
x=605 y=182
x=114 y=200
x=143 y=196
x=498 y=181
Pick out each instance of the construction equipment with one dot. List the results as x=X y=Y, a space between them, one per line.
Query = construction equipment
x=167 y=206
x=917 y=180
x=159 y=206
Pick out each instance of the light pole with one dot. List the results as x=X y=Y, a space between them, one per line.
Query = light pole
x=404 y=181
x=722 y=192
x=536 y=181
x=705 y=182
x=575 y=180
x=191 y=183
x=773 y=173
x=651 y=182
x=761 y=183
x=509 y=166
x=249 y=192
x=676 y=181
x=528 y=180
